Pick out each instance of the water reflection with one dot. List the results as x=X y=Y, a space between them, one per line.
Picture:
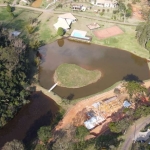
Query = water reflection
x=60 y=42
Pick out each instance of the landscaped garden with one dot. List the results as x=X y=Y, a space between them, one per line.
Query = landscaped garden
x=69 y=75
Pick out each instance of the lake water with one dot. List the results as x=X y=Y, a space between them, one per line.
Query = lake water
x=113 y=63
x=30 y=118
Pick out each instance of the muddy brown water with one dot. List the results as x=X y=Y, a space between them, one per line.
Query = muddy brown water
x=31 y=117
x=113 y=63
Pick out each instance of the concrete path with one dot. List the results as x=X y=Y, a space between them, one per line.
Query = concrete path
x=133 y=131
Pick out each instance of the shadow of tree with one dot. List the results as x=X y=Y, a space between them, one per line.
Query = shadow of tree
x=132 y=77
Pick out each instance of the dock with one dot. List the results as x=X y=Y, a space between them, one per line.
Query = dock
x=52 y=87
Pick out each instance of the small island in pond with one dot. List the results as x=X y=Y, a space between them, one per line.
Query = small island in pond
x=73 y=76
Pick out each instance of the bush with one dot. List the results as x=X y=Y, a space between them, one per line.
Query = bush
x=81 y=132
x=44 y=133
x=102 y=13
x=8 y=8
x=60 y=31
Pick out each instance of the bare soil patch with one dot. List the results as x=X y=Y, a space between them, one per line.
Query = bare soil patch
x=75 y=115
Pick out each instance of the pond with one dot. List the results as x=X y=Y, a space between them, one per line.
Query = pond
x=24 y=126
x=113 y=63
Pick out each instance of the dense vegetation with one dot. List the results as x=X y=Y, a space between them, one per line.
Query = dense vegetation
x=143 y=34
x=73 y=76
x=14 y=66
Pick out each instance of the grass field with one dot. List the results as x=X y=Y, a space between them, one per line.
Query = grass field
x=126 y=41
x=20 y=21
x=5 y=16
x=73 y=76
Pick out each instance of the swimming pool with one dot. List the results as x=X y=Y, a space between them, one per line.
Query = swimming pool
x=77 y=34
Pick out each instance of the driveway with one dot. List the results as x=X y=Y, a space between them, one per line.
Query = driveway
x=133 y=131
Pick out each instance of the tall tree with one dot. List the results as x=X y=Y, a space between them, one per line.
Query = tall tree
x=13 y=145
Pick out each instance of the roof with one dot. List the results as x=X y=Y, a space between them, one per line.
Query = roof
x=126 y=104
x=110 y=99
x=105 y=1
x=96 y=105
x=61 y=23
x=93 y=121
x=67 y=16
x=143 y=135
x=15 y=33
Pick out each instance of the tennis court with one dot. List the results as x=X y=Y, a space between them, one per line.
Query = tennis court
x=108 y=32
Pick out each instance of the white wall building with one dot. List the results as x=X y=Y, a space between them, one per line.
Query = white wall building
x=64 y=21
x=105 y=3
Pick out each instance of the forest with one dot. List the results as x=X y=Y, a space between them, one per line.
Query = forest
x=14 y=69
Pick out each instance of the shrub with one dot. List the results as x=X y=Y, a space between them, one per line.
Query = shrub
x=102 y=13
x=8 y=8
x=44 y=133
x=60 y=31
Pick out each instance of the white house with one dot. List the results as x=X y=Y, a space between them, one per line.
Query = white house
x=65 y=21
x=105 y=3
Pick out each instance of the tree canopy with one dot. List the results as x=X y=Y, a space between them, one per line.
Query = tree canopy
x=14 y=66
x=60 y=31
x=143 y=33
x=134 y=87
x=13 y=145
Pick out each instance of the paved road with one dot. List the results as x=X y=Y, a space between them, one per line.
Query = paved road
x=133 y=131
x=79 y=15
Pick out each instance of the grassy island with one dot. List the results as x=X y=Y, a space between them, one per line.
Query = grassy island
x=73 y=76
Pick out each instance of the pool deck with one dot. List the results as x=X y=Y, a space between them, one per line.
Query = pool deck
x=80 y=39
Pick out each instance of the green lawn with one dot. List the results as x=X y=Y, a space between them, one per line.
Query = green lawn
x=20 y=21
x=45 y=33
x=5 y=16
x=124 y=41
x=73 y=76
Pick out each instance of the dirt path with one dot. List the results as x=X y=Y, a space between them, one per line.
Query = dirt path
x=74 y=111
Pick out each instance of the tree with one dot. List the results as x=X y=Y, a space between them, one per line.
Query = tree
x=148 y=47
x=13 y=145
x=120 y=126
x=12 y=15
x=8 y=8
x=143 y=33
x=44 y=133
x=60 y=31
x=81 y=132
x=134 y=88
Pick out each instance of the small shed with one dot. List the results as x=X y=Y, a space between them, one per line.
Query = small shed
x=15 y=33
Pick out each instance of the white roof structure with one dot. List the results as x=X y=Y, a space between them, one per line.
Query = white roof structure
x=96 y=105
x=15 y=33
x=93 y=121
x=67 y=16
x=143 y=135
x=61 y=23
